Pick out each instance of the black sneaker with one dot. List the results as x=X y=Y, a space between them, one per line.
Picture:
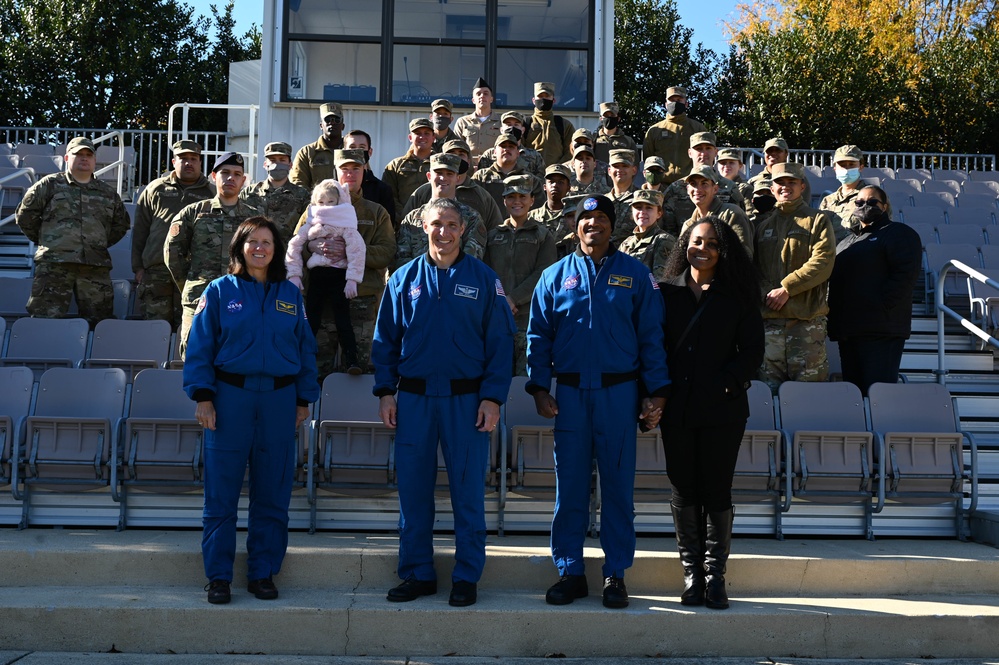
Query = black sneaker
x=412 y=589
x=463 y=594
x=263 y=589
x=615 y=593
x=218 y=592
x=567 y=589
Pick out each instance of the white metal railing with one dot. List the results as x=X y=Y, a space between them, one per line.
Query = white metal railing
x=3 y=190
x=893 y=160
x=250 y=156
x=942 y=309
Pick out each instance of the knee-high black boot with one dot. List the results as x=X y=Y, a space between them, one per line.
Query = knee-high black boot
x=690 y=535
x=718 y=545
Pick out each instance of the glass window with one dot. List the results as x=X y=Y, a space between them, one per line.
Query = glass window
x=335 y=17
x=423 y=73
x=334 y=71
x=518 y=69
x=544 y=21
x=434 y=19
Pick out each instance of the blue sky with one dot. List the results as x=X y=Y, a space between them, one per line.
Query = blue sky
x=704 y=17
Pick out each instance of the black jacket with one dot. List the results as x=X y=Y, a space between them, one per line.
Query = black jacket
x=378 y=192
x=870 y=290
x=719 y=356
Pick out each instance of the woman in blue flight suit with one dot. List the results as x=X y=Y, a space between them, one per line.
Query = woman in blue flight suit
x=251 y=367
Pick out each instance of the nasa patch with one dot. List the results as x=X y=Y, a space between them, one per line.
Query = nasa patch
x=590 y=204
x=571 y=282
x=234 y=306
x=415 y=291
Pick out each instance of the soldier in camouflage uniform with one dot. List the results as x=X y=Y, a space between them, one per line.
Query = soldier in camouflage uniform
x=677 y=206
x=670 y=137
x=649 y=243
x=600 y=167
x=73 y=218
x=654 y=172
x=775 y=151
x=622 y=173
x=468 y=191
x=530 y=160
x=584 y=180
x=158 y=204
x=278 y=199
x=404 y=174
x=702 y=188
x=848 y=162
x=556 y=188
x=729 y=165
x=548 y=133
x=519 y=250
x=375 y=227
x=506 y=154
x=480 y=128
x=795 y=249
x=411 y=239
x=610 y=137
x=441 y=111
x=197 y=246
x=314 y=162
x=763 y=201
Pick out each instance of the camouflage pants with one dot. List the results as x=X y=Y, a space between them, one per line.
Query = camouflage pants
x=795 y=351
x=159 y=296
x=363 y=312
x=55 y=283
x=520 y=353
x=186 y=320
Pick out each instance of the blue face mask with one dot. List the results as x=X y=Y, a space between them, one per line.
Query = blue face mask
x=847 y=176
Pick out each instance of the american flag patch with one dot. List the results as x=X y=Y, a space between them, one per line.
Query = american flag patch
x=499 y=289
x=655 y=284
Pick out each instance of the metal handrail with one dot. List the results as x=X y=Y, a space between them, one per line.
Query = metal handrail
x=11 y=176
x=942 y=309
x=250 y=156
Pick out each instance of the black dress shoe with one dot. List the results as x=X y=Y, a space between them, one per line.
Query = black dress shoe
x=567 y=589
x=463 y=594
x=412 y=589
x=263 y=589
x=615 y=593
x=218 y=592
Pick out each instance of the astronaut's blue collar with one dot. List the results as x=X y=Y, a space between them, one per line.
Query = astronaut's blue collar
x=461 y=255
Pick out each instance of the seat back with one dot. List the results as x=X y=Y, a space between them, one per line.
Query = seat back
x=950 y=174
x=922 y=215
x=14 y=294
x=349 y=398
x=970 y=216
x=532 y=443
x=988 y=187
x=25 y=149
x=15 y=399
x=44 y=343
x=990 y=256
x=938 y=255
x=954 y=234
x=758 y=466
x=946 y=186
x=43 y=164
x=927 y=232
x=986 y=200
x=947 y=199
x=131 y=345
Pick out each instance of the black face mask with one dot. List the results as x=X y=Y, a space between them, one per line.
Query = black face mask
x=676 y=108
x=868 y=214
x=610 y=123
x=764 y=203
x=544 y=104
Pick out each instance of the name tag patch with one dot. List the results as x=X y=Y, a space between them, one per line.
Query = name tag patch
x=470 y=292
x=619 y=280
x=769 y=233
x=286 y=307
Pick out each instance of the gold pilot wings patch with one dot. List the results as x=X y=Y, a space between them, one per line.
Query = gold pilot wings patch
x=286 y=307
x=619 y=280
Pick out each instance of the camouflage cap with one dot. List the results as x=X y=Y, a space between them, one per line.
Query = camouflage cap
x=182 y=146
x=341 y=157
x=583 y=133
x=580 y=149
x=569 y=204
x=277 y=148
x=676 y=90
x=730 y=153
x=442 y=160
x=330 y=108
x=763 y=184
x=228 y=159
x=609 y=107
x=776 y=142
x=700 y=138
x=847 y=153
x=514 y=115
x=558 y=169
x=79 y=143
x=654 y=163
x=416 y=123
x=705 y=172
x=517 y=184
x=787 y=170
x=544 y=86
x=621 y=156
x=456 y=144
x=508 y=135
x=441 y=104
x=651 y=196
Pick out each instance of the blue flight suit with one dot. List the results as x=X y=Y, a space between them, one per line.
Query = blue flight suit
x=255 y=334
x=597 y=329
x=444 y=340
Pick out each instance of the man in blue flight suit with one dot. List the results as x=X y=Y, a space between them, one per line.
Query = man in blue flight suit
x=596 y=327
x=444 y=341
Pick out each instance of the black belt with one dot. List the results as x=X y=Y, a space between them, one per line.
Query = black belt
x=607 y=379
x=239 y=380
x=458 y=386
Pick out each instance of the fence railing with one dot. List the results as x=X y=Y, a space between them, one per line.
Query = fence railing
x=893 y=160
x=943 y=310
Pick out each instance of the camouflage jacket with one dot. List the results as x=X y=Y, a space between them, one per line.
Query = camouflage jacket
x=284 y=205
x=841 y=204
x=197 y=246
x=158 y=204
x=439 y=142
x=607 y=142
x=313 y=163
x=491 y=180
x=411 y=240
x=623 y=224
x=732 y=215
x=651 y=248
x=404 y=174
x=530 y=160
x=670 y=139
x=519 y=254
x=72 y=222
x=543 y=135
x=554 y=221
x=678 y=208
x=599 y=185
x=470 y=193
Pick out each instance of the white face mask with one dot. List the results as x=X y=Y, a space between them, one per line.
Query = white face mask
x=847 y=176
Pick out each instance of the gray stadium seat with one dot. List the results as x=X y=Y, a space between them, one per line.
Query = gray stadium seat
x=919 y=175
x=973 y=216
x=984 y=176
x=43 y=164
x=13 y=190
x=121 y=258
x=946 y=199
x=922 y=215
x=15 y=399
x=936 y=257
x=950 y=174
x=969 y=200
x=988 y=187
x=832 y=456
x=162 y=448
x=927 y=232
x=71 y=431
x=25 y=149
x=10 y=161
x=759 y=469
x=44 y=343
x=532 y=444
x=129 y=345
x=984 y=299
x=14 y=294
x=950 y=234
x=945 y=186
x=882 y=172
x=899 y=190
x=924 y=456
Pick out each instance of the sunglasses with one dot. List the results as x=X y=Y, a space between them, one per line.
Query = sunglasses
x=860 y=203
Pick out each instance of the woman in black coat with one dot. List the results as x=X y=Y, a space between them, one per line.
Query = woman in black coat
x=714 y=347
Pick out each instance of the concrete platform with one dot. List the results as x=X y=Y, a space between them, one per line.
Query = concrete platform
x=140 y=592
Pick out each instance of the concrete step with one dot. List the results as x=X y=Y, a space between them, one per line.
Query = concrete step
x=140 y=592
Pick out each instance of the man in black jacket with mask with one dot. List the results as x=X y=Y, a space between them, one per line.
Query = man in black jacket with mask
x=610 y=137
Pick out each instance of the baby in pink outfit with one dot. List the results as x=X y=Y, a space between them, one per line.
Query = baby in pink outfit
x=331 y=215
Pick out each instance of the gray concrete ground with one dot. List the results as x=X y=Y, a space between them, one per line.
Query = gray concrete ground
x=57 y=658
